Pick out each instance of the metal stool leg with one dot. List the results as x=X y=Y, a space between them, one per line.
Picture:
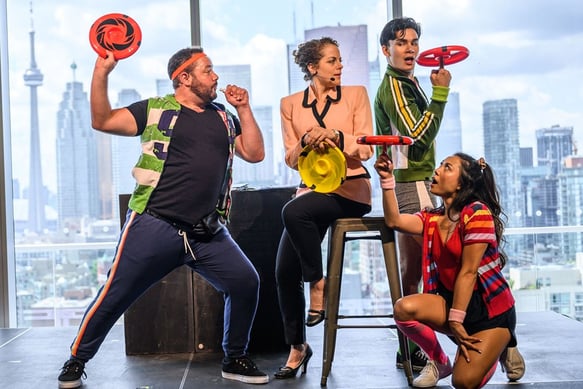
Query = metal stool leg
x=395 y=287
x=333 y=283
x=337 y=240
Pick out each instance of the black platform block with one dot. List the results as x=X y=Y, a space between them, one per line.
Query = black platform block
x=256 y=226
x=183 y=313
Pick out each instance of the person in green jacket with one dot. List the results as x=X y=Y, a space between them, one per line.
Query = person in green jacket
x=402 y=108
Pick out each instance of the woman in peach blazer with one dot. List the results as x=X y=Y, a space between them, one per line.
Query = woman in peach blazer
x=324 y=115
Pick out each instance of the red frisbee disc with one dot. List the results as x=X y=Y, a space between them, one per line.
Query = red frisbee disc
x=444 y=55
x=386 y=140
x=117 y=33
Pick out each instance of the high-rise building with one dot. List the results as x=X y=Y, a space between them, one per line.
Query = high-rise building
x=570 y=188
x=449 y=137
x=528 y=175
x=260 y=174
x=528 y=214
x=353 y=44
x=105 y=175
x=374 y=79
x=164 y=87
x=526 y=157
x=33 y=78
x=545 y=203
x=501 y=150
x=125 y=152
x=244 y=173
x=239 y=75
x=295 y=77
x=553 y=145
x=77 y=161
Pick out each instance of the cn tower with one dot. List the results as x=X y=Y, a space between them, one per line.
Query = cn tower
x=33 y=78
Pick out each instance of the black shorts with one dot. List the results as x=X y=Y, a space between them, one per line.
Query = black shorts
x=477 y=315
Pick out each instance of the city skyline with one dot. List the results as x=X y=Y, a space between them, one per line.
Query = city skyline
x=57 y=274
x=476 y=80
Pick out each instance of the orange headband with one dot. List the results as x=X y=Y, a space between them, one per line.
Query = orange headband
x=185 y=64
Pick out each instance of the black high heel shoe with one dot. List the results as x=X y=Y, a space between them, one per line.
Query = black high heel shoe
x=291 y=372
x=315 y=317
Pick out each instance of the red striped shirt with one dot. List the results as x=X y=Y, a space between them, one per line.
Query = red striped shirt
x=476 y=226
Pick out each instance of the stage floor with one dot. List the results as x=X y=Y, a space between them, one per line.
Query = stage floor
x=365 y=358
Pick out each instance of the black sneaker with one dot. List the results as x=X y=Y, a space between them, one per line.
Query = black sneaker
x=418 y=360
x=71 y=374
x=243 y=369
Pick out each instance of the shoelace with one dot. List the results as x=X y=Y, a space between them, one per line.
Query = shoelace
x=75 y=367
x=187 y=248
x=246 y=363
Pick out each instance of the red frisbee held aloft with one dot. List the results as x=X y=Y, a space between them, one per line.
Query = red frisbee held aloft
x=117 y=33
x=444 y=55
x=385 y=140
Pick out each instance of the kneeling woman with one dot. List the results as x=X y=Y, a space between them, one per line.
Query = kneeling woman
x=465 y=294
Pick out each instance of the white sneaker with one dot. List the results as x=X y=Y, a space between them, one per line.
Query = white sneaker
x=432 y=373
x=512 y=363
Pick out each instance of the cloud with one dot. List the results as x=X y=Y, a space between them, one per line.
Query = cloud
x=505 y=36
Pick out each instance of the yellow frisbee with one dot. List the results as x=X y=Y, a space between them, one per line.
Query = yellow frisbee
x=322 y=172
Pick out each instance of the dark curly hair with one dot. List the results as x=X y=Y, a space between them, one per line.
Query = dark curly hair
x=310 y=53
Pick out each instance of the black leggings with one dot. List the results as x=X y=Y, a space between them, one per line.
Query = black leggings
x=299 y=256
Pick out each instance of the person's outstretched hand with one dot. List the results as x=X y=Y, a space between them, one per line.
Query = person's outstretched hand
x=384 y=166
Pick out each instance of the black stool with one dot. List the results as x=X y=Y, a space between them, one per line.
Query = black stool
x=359 y=228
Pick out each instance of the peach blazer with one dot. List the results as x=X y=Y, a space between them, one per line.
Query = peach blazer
x=348 y=113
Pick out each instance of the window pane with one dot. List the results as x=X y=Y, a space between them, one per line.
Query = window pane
x=67 y=176
x=508 y=102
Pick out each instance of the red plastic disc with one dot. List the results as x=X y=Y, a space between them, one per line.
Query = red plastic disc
x=117 y=33
x=444 y=55
x=386 y=140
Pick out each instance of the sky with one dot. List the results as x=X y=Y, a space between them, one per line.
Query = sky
x=522 y=49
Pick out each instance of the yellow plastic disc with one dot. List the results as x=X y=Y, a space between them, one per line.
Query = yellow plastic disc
x=322 y=172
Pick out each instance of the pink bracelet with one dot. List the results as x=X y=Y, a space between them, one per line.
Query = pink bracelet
x=456 y=315
x=388 y=183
